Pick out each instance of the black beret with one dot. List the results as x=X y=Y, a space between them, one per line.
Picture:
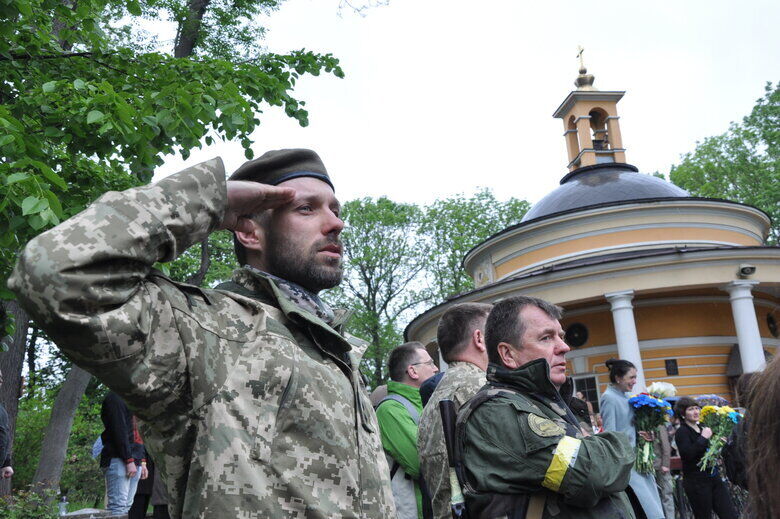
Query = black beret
x=277 y=166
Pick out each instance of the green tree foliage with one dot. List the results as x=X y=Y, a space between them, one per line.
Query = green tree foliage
x=81 y=477
x=742 y=164
x=26 y=505
x=399 y=258
x=384 y=276
x=457 y=224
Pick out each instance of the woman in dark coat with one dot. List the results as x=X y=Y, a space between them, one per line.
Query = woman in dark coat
x=706 y=491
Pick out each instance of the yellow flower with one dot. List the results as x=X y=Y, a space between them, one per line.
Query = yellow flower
x=707 y=410
x=725 y=410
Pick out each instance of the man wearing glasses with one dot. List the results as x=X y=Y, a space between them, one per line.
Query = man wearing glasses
x=398 y=414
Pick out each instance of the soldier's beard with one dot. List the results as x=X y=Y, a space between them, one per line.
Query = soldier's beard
x=293 y=261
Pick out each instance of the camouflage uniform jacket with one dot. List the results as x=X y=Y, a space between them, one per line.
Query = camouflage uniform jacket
x=522 y=453
x=460 y=382
x=253 y=408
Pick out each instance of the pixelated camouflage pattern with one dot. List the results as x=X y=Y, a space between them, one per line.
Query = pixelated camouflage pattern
x=460 y=382
x=251 y=406
x=505 y=460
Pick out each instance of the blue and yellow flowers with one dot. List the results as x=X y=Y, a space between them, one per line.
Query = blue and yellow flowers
x=721 y=420
x=650 y=413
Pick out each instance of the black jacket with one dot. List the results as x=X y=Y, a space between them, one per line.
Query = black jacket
x=5 y=439
x=692 y=445
x=118 y=438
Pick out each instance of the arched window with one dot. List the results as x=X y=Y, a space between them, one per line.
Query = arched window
x=598 y=127
x=572 y=140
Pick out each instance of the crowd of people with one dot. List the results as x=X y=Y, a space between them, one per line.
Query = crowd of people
x=249 y=396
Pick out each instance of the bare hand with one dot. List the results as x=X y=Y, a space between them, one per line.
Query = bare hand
x=706 y=432
x=584 y=432
x=144 y=472
x=647 y=436
x=246 y=198
x=665 y=470
x=130 y=469
x=6 y=472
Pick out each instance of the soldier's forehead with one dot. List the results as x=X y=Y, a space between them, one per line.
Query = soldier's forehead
x=310 y=186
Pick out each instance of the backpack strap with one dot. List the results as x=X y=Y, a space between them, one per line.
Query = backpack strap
x=413 y=413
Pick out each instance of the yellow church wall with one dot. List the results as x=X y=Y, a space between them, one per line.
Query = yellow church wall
x=701 y=368
x=684 y=320
x=612 y=239
x=671 y=321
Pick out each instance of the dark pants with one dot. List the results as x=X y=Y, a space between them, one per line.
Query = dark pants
x=140 y=504
x=708 y=495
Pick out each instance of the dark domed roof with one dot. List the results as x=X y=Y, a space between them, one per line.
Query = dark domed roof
x=602 y=184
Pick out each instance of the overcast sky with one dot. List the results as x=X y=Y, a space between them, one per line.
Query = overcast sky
x=442 y=97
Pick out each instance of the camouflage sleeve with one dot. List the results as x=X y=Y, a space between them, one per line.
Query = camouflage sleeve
x=519 y=452
x=87 y=281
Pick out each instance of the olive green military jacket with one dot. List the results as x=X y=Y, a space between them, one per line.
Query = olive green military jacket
x=252 y=407
x=518 y=440
x=459 y=383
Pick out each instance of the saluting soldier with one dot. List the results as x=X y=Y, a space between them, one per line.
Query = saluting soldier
x=250 y=393
x=522 y=451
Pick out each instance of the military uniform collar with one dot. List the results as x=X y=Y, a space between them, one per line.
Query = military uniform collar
x=261 y=286
x=533 y=377
x=463 y=364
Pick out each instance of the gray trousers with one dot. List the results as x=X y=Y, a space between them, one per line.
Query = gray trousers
x=665 y=484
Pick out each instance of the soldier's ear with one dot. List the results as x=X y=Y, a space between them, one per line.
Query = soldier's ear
x=254 y=240
x=478 y=338
x=505 y=351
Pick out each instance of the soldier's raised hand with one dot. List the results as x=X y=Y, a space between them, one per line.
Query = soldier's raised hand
x=248 y=198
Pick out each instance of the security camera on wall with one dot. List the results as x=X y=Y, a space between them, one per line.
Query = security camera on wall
x=746 y=270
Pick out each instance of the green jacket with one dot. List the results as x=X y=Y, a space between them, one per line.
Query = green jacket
x=251 y=406
x=518 y=441
x=399 y=432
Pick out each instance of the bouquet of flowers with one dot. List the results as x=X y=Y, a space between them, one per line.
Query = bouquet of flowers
x=650 y=412
x=662 y=390
x=721 y=420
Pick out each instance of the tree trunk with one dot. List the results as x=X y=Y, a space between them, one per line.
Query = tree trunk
x=189 y=28
x=55 y=439
x=11 y=363
x=58 y=26
x=31 y=358
x=205 y=262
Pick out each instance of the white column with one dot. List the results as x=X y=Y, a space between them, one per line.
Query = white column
x=625 y=333
x=751 y=351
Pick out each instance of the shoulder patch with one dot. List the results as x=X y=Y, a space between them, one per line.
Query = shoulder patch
x=544 y=427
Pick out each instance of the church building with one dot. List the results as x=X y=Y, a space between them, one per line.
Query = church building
x=682 y=286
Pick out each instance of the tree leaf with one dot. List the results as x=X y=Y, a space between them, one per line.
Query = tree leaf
x=16 y=177
x=5 y=139
x=134 y=7
x=54 y=204
x=79 y=84
x=49 y=87
x=95 y=116
x=28 y=204
x=50 y=175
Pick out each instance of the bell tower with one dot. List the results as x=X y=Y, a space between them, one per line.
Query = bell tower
x=590 y=122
